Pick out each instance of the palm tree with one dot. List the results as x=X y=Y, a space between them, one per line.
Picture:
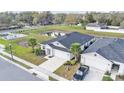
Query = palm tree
x=75 y=50
x=32 y=42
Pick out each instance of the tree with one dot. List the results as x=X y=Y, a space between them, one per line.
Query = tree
x=71 y=19
x=83 y=23
x=59 y=18
x=89 y=18
x=32 y=42
x=75 y=50
x=122 y=24
x=46 y=18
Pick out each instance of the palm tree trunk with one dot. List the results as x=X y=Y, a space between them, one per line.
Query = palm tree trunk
x=33 y=49
x=76 y=58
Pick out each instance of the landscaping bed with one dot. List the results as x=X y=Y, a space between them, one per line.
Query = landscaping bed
x=120 y=78
x=67 y=71
x=107 y=76
x=52 y=79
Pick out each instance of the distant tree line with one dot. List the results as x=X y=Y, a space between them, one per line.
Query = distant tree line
x=48 y=18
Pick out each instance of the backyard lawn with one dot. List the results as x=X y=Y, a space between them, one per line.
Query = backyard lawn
x=74 y=28
x=71 y=29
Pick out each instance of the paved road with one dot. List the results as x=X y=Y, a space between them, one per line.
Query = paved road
x=10 y=72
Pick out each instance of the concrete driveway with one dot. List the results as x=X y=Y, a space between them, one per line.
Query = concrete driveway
x=94 y=75
x=53 y=63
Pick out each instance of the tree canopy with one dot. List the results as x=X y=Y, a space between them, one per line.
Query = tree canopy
x=47 y=18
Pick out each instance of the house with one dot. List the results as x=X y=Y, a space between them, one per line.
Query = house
x=60 y=46
x=95 y=26
x=54 y=33
x=101 y=27
x=12 y=36
x=106 y=54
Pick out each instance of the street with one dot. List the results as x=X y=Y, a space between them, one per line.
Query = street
x=10 y=72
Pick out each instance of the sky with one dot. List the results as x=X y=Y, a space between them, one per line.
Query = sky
x=62 y=5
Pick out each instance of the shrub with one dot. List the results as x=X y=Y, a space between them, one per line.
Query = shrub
x=67 y=63
x=107 y=78
x=107 y=73
x=38 y=51
x=73 y=62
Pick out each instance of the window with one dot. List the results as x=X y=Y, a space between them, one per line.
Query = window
x=43 y=47
x=95 y=54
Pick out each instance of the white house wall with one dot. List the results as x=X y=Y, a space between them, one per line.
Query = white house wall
x=121 y=69
x=92 y=28
x=51 y=49
x=97 y=61
x=104 y=30
x=63 y=54
x=87 y=43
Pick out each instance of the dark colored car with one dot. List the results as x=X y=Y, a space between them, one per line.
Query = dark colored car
x=81 y=72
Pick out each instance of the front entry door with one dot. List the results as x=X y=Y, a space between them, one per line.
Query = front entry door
x=48 y=52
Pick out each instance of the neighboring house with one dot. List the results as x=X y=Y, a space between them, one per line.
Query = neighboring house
x=95 y=26
x=11 y=36
x=105 y=54
x=101 y=27
x=60 y=46
x=55 y=33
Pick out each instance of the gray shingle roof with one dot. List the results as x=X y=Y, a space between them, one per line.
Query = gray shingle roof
x=59 y=48
x=111 y=49
x=99 y=43
x=73 y=37
x=52 y=40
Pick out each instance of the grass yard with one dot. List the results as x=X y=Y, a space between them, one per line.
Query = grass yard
x=24 y=53
x=64 y=72
x=78 y=29
x=15 y=61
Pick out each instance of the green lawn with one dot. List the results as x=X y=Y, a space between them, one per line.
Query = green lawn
x=15 y=61
x=72 y=28
x=24 y=52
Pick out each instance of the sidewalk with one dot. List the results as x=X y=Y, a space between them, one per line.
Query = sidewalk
x=39 y=70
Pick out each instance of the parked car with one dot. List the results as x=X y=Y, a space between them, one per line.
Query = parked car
x=81 y=72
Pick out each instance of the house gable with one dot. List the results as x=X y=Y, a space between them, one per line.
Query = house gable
x=58 y=44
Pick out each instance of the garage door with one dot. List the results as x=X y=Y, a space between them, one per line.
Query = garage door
x=62 y=54
x=96 y=63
